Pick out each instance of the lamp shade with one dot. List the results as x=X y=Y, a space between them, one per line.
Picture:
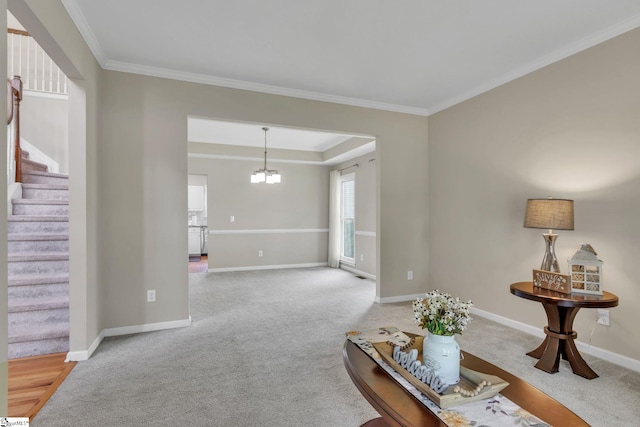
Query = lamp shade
x=549 y=213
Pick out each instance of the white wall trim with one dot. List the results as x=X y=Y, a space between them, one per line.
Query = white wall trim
x=607 y=355
x=78 y=18
x=256 y=87
x=562 y=53
x=78 y=356
x=50 y=95
x=399 y=298
x=87 y=34
x=14 y=191
x=365 y=233
x=261 y=159
x=271 y=231
x=267 y=267
x=147 y=327
x=37 y=155
x=357 y=272
x=75 y=356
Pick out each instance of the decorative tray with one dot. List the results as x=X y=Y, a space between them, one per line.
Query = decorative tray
x=473 y=385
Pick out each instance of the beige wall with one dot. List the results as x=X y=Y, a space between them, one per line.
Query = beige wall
x=128 y=198
x=457 y=223
x=143 y=237
x=365 y=209
x=570 y=130
x=43 y=122
x=299 y=202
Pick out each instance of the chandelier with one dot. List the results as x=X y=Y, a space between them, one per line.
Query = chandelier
x=269 y=176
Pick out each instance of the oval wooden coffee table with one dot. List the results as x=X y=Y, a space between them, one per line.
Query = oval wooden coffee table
x=399 y=408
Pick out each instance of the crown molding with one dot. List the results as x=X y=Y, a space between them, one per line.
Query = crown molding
x=258 y=87
x=80 y=21
x=78 y=18
x=579 y=46
x=85 y=30
x=258 y=159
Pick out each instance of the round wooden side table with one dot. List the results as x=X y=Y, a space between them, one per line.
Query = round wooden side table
x=561 y=309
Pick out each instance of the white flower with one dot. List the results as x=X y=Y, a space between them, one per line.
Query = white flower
x=441 y=314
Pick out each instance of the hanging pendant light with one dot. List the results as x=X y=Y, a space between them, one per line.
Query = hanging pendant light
x=270 y=176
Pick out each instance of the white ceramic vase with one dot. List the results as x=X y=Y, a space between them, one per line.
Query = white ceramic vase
x=442 y=354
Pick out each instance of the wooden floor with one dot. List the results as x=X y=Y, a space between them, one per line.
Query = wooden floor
x=33 y=380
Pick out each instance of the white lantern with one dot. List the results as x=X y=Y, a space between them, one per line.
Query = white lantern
x=585 y=269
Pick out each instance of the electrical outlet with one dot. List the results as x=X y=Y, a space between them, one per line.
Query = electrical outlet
x=409 y=275
x=232 y=218
x=151 y=295
x=259 y=253
x=361 y=257
x=603 y=317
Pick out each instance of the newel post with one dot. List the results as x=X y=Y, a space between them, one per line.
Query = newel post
x=16 y=89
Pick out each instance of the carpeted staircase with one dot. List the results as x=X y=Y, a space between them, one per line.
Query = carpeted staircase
x=38 y=238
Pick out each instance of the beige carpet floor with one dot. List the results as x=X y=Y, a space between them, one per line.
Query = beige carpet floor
x=265 y=349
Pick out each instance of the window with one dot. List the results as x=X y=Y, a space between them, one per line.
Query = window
x=347 y=217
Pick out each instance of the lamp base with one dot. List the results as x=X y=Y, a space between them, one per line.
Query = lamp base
x=549 y=261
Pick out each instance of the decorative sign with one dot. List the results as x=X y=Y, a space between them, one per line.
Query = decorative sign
x=552 y=281
x=424 y=373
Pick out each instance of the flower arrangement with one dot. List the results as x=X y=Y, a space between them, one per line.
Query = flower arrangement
x=441 y=314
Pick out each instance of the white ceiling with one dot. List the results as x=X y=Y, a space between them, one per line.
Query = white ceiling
x=413 y=56
x=252 y=135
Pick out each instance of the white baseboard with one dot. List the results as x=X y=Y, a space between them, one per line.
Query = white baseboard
x=267 y=267
x=601 y=353
x=400 y=298
x=78 y=356
x=75 y=356
x=357 y=272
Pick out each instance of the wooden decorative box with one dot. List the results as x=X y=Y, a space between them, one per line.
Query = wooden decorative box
x=552 y=281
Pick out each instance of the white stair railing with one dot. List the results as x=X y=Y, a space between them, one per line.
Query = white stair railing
x=27 y=59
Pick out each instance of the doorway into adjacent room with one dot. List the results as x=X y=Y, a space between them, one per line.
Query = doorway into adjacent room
x=198 y=231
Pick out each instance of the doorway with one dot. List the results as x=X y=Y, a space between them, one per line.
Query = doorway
x=198 y=232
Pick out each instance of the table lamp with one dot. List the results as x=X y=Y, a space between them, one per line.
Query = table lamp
x=550 y=214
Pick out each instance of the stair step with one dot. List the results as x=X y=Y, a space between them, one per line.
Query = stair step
x=38 y=266
x=29 y=165
x=39 y=285
x=41 y=290
x=19 y=319
x=25 y=333
x=39 y=243
x=36 y=177
x=45 y=191
x=38 y=224
x=23 y=237
x=19 y=305
x=38 y=263
x=40 y=207
x=39 y=347
x=38 y=279
x=45 y=186
x=26 y=257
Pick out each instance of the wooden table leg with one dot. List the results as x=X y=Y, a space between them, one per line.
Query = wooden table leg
x=538 y=352
x=560 y=342
x=570 y=352
x=549 y=351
